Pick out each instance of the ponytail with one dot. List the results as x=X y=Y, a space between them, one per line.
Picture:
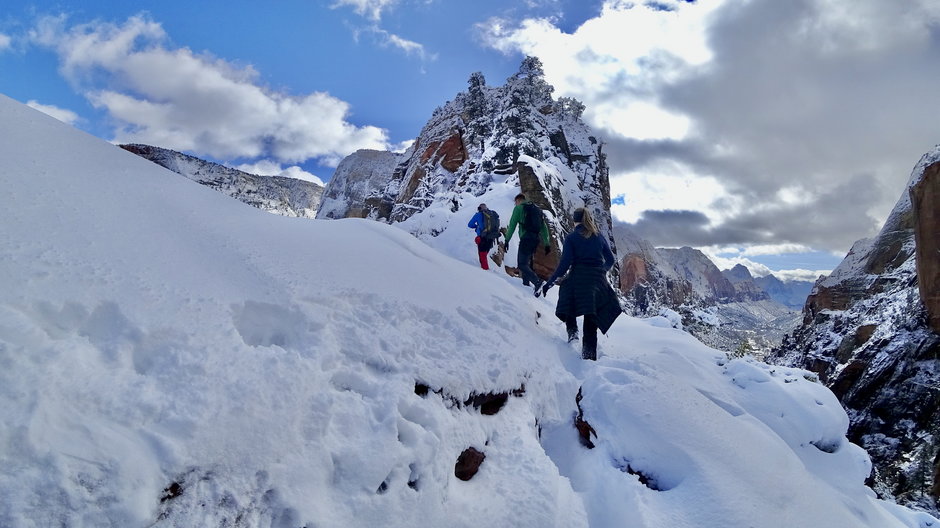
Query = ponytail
x=587 y=223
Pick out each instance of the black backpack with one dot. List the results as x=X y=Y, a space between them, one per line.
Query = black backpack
x=490 y=225
x=531 y=218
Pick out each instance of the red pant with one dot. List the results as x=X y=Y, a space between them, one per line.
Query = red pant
x=484 y=245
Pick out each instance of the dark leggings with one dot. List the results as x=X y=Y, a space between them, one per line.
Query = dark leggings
x=527 y=246
x=589 y=339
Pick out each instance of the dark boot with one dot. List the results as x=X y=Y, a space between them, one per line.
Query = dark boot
x=588 y=352
x=571 y=325
x=589 y=345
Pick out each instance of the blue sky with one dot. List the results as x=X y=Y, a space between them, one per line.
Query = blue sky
x=769 y=133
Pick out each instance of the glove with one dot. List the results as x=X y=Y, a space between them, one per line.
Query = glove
x=546 y=287
x=548 y=250
x=476 y=240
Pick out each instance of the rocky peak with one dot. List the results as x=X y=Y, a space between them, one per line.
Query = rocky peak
x=488 y=143
x=745 y=288
x=275 y=194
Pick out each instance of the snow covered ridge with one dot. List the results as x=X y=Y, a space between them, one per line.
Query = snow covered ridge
x=173 y=358
x=275 y=194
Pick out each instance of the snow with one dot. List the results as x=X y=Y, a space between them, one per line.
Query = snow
x=153 y=331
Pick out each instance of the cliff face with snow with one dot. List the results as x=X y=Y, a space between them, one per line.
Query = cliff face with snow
x=866 y=332
x=486 y=145
x=275 y=194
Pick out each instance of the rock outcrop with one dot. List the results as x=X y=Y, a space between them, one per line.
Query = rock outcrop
x=275 y=194
x=867 y=333
x=514 y=136
x=925 y=202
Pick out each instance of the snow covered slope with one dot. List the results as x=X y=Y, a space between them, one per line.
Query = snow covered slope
x=169 y=357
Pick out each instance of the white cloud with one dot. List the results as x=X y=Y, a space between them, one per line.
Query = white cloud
x=386 y=39
x=669 y=186
x=371 y=9
x=760 y=270
x=615 y=62
x=66 y=116
x=779 y=108
x=403 y=146
x=6 y=42
x=177 y=99
x=272 y=168
x=774 y=249
x=800 y=274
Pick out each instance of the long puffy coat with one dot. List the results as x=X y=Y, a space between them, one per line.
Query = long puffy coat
x=585 y=291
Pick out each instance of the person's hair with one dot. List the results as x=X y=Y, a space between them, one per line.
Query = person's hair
x=520 y=196
x=590 y=228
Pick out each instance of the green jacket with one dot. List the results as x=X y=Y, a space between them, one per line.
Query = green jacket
x=518 y=212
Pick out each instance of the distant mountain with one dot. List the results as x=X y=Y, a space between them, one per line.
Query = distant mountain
x=726 y=310
x=791 y=294
x=744 y=284
x=870 y=330
x=275 y=194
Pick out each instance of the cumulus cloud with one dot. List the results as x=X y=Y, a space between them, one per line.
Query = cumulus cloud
x=66 y=116
x=175 y=98
x=791 y=122
x=272 y=168
x=6 y=42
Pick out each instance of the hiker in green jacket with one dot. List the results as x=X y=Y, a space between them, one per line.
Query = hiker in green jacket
x=532 y=226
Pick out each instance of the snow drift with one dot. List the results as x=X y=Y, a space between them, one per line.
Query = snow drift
x=172 y=357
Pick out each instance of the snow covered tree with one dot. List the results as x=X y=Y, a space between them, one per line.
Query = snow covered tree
x=477 y=105
x=571 y=106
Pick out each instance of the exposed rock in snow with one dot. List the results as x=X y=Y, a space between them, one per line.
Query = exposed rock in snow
x=275 y=194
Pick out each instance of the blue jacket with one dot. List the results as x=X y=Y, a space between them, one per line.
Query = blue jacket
x=477 y=223
x=578 y=251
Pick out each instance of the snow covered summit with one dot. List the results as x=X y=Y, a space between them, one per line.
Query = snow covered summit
x=172 y=357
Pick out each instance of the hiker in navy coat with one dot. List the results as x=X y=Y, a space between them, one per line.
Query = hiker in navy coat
x=484 y=245
x=585 y=291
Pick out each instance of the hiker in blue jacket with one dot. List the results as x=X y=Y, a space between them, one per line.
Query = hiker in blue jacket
x=585 y=291
x=484 y=240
